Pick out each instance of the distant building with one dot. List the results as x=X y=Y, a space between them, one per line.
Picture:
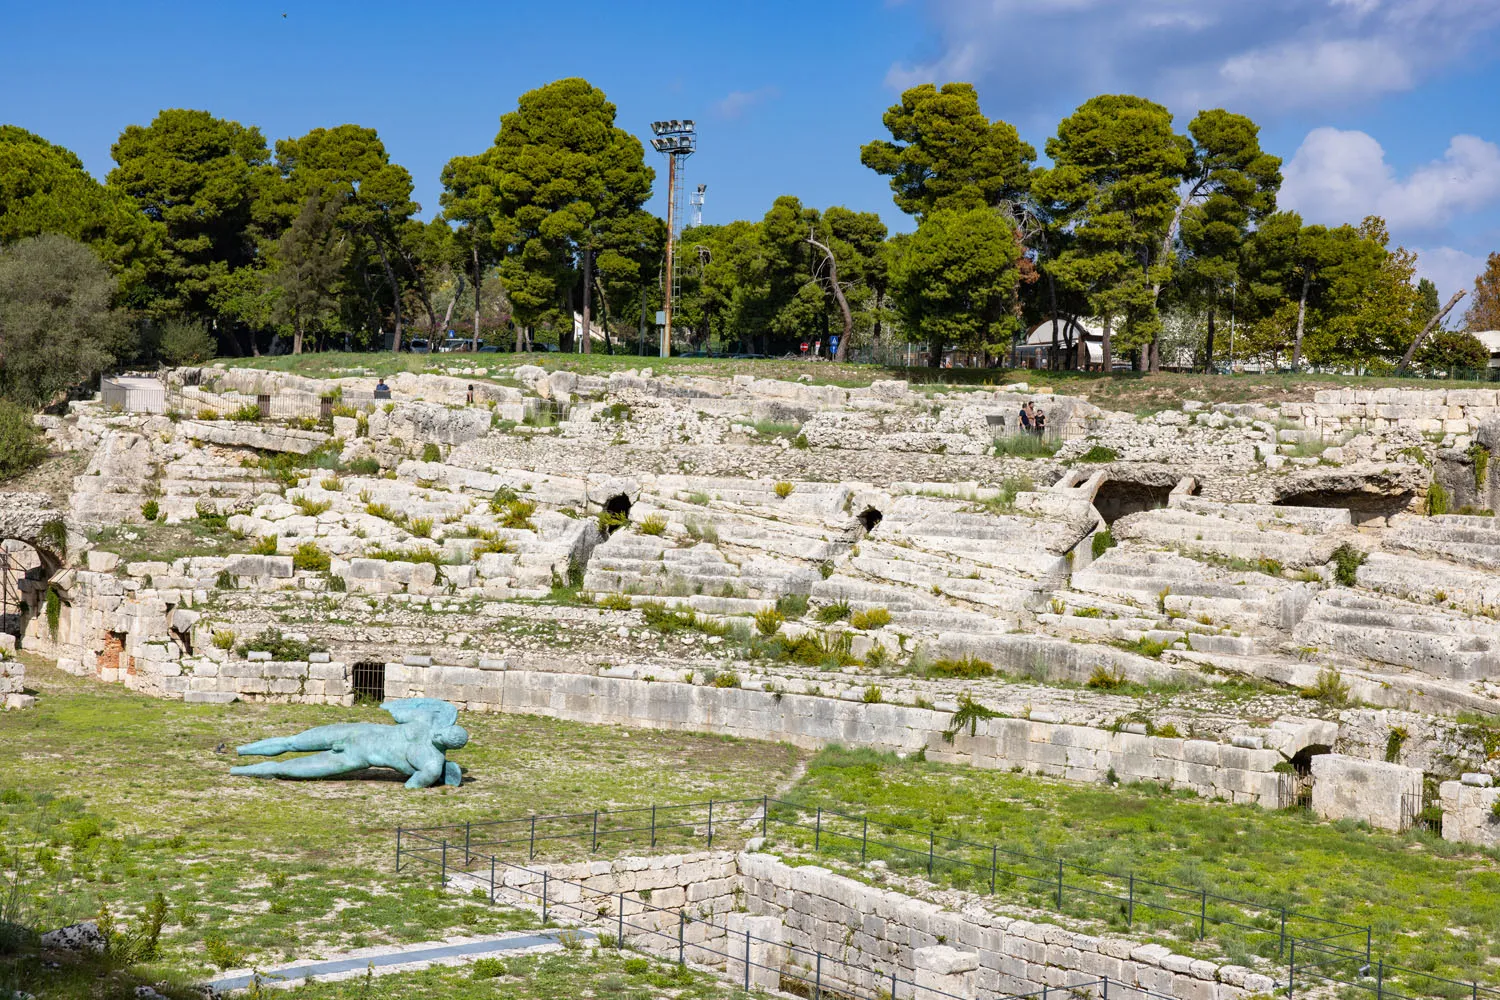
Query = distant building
x=1035 y=351
x=1491 y=341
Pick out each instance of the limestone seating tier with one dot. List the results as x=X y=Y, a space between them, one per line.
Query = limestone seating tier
x=1405 y=635
x=1189 y=588
x=1473 y=541
x=1237 y=537
x=1425 y=581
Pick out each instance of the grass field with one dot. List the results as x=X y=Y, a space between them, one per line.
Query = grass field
x=1432 y=906
x=108 y=798
x=1126 y=391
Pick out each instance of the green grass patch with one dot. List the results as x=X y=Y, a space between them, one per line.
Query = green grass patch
x=1430 y=904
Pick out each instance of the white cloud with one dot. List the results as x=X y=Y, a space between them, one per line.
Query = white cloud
x=1450 y=270
x=1342 y=176
x=737 y=102
x=1266 y=55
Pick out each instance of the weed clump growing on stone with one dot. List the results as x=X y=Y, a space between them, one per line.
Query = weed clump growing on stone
x=1143 y=646
x=1437 y=499
x=1330 y=688
x=784 y=489
x=150 y=510
x=653 y=525
x=517 y=514
x=279 y=646
x=310 y=559
x=969 y=715
x=312 y=508
x=727 y=679
x=223 y=638
x=614 y=602
x=966 y=666
x=1102 y=543
x=791 y=606
x=431 y=452
x=1105 y=679
x=1346 y=563
x=421 y=527
x=874 y=618
x=209 y=517
x=873 y=695
x=1099 y=453
x=769 y=621
x=830 y=613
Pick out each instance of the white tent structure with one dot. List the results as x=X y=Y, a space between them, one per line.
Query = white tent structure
x=1034 y=351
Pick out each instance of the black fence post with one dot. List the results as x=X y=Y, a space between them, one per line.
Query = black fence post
x=818 y=832
x=1379 y=979
x=864 y=840
x=747 y=960
x=931 y=848
x=1130 y=903
x=893 y=984
x=994 y=865
x=1203 y=914
x=1059 y=886
x=1291 y=969
x=1106 y=988
x=445 y=862
x=1367 y=946
x=681 y=925
x=398 y=849
x=710 y=824
x=620 y=927
x=466 y=843
x=544 y=898
x=653 y=824
x=1281 y=949
x=492 y=880
x=531 y=851
x=818 y=979
x=594 y=835
x=765 y=814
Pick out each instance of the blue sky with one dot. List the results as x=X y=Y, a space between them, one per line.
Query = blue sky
x=1384 y=106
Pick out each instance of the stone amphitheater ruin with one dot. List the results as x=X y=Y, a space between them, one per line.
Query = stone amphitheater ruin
x=1336 y=558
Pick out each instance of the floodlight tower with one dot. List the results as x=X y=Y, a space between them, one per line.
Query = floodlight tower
x=697 y=202
x=677 y=139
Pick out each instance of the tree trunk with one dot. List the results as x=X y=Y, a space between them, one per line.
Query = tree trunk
x=1208 y=349
x=879 y=307
x=838 y=296
x=478 y=281
x=1301 y=318
x=1106 y=352
x=1411 y=351
x=448 y=316
x=935 y=353
x=520 y=337
x=588 y=301
x=390 y=275
x=609 y=347
x=297 y=336
x=1153 y=355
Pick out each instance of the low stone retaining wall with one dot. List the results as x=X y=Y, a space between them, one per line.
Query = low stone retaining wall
x=864 y=932
x=1077 y=753
x=1469 y=811
x=1386 y=796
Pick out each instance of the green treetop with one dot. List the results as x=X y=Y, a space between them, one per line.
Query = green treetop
x=44 y=189
x=197 y=176
x=953 y=280
x=1116 y=169
x=944 y=153
x=560 y=178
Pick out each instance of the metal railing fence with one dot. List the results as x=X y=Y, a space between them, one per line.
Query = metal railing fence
x=1270 y=931
x=674 y=934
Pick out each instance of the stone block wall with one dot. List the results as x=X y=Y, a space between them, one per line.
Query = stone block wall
x=1079 y=753
x=1382 y=795
x=12 y=677
x=1443 y=411
x=864 y=933
x=1469 y=813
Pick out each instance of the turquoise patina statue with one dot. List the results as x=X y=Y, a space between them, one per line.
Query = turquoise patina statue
x=416 y=746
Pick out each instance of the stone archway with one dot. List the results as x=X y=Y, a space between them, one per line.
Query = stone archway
x=31 y=518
